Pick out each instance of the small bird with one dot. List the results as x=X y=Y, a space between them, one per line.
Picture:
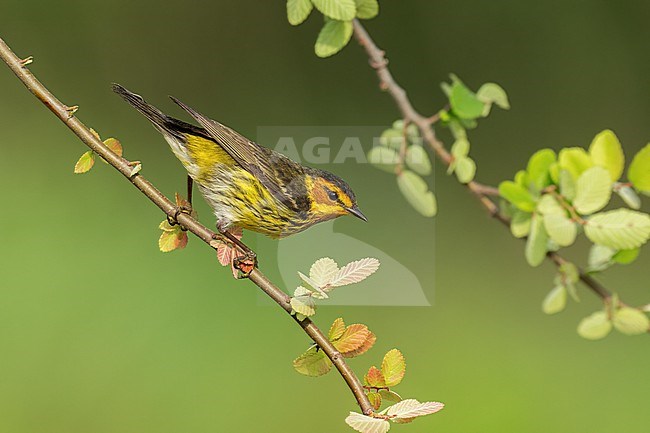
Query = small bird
x=248 y=185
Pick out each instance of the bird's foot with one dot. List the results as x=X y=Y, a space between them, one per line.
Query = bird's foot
x=179 y=209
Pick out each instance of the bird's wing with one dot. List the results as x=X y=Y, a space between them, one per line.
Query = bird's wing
x=260 y=161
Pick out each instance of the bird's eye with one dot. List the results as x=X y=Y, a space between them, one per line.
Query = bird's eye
x=333 y=195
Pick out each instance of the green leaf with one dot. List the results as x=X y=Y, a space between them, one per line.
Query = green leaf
x=465 y=169
x=548 y=205
x=606 y=151
x=625 y=257
x=538 y=168
x=170 y=240
x=298 y=11
x=492 y=93
x=393 y=367
x=520 y=224
x=302 y=302
x=333 y=37
x=631 y=321
x=463 y=101
x=620 y=229
x=392 y=138
x=593 y=190
x=375 y=400
x=575 y=160
x=367 y=9
x=312 y=363
x=336 y=330
x=595 y=326
x=521 y=178
x=384 y=158
x=418 y=160
x=114 y=145
x=555 y=301
x=567 y=185
x=390 y=395
x=460 y=148
x=554 y=172
x=343 y=10
x=628 y=195
x=639 y=171
x=560 y=229
x=600 y=258
x=417 y=193
x=85 y=163
x=536 y=242
x=517 y=195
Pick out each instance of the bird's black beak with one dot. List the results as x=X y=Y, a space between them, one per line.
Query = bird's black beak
x=354 y=210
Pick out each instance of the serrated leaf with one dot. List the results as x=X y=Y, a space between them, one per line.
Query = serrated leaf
x=538 y=168
x=336 y=330
x=411 y=408
x=367 y=9
x=575 y=160
x=628 y=195
x=166 y=227
x=355 y=272
x=465 y=169
x=298 y=11
x=560 y=229
x=555 y=301
x=464 y=102
x=418 y=160
x=333 y=37
x=172 y=240
x=302 y=302
x=375 y=400
x=320 y=293
x=620 y=229
x=352 y=338
x=606 y=151
x=492 y=93
x=323 y=271
x=630 y=321
x=417 y=193
x=536 y=242
x=344 y=10
x=384 y=158
x=375 y=378
x=517 y=195
x=593 y=190
x=85 y=163
x=393 y=367
x=625 y=257
x=366 y=346
x=312 y=363
x=639 y=171
x=520 y=224
x=595 y=326
x=600 y=258
x=389 y=395
x=366 y=424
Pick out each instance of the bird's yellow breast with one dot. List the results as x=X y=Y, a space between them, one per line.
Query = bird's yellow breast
x=206 y=154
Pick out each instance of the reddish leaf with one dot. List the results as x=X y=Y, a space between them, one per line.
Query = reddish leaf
x=375 y=378
x=114 y=145
x=172 y=240
x=366 y=346
x=353 y=338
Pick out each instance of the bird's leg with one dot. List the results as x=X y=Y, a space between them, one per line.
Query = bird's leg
x=182 y=206
x=245 y=262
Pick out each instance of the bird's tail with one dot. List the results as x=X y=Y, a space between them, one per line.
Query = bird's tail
x=158 y=118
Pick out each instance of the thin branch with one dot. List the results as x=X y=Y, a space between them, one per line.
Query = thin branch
x=65 y=114
x=481 y=192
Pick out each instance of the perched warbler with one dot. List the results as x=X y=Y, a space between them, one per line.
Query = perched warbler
x=248 y=185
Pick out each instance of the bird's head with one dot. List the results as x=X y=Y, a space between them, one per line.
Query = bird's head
x=330 y=196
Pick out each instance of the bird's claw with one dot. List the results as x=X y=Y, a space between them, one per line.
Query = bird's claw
x=173 y=219
x=245 y=263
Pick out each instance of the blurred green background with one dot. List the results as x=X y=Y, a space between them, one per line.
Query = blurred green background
x=100 y=332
